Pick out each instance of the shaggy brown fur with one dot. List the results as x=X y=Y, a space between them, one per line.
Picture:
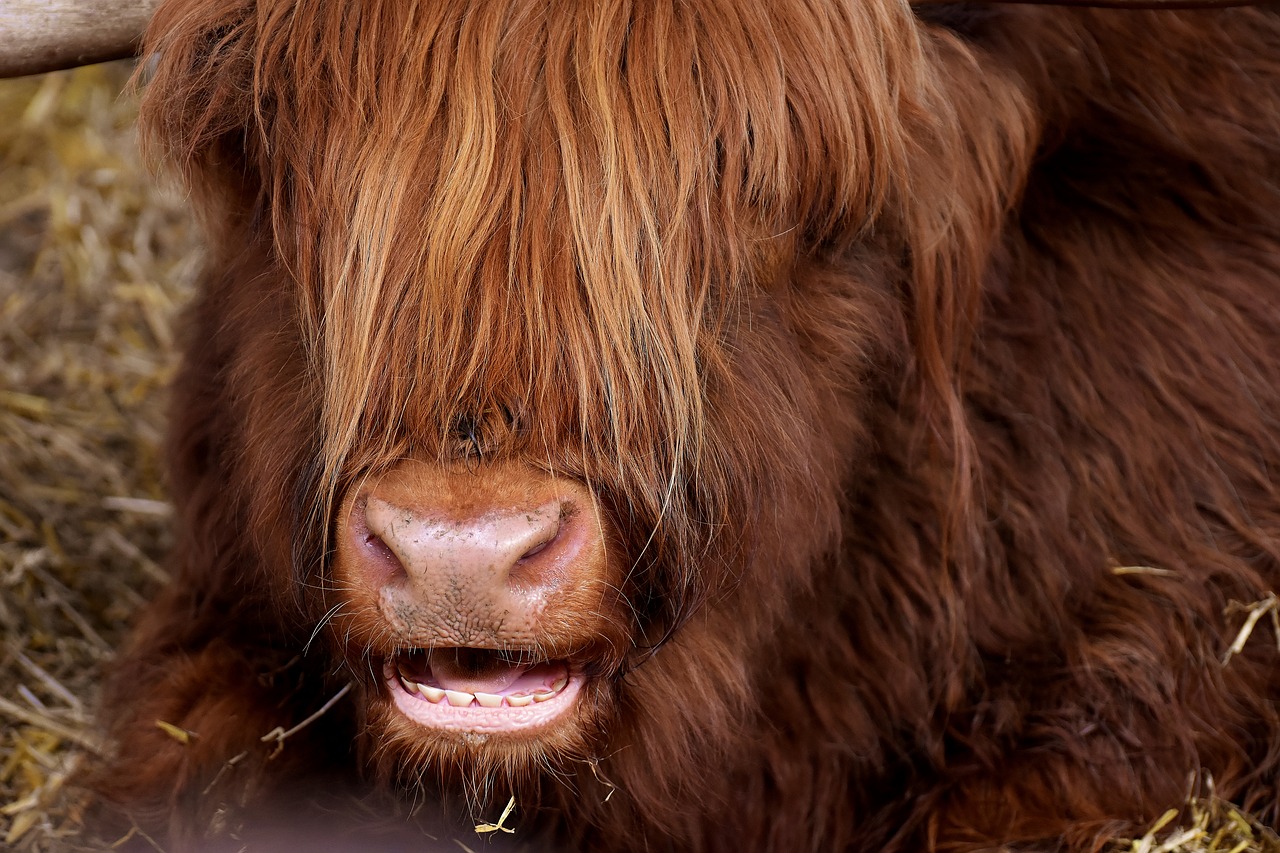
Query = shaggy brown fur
x=881 y=342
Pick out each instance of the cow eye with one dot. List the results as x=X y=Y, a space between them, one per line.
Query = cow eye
x=479 y=433
x=466 y=430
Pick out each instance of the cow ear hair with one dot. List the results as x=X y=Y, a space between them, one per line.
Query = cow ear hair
x=199 y=113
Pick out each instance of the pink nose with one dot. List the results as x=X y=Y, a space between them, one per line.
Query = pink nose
x=459 y=559
x=511 y=548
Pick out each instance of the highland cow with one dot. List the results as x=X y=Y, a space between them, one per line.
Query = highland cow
x=793 y=425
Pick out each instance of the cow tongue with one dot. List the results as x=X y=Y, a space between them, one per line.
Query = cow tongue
x=495 y=678
x=468 y=671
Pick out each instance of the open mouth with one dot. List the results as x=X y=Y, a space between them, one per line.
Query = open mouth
x=480 y=690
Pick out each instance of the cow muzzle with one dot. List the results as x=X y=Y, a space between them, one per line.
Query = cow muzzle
x=482 y=592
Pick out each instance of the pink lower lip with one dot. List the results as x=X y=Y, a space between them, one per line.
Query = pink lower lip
x=478 y=719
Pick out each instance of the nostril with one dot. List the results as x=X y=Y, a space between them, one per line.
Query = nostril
x=539 y=548
x=543 y=564
x=381 y=562
x=373 y=542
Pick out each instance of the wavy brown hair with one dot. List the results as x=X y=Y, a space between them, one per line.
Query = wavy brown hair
x=882 y=339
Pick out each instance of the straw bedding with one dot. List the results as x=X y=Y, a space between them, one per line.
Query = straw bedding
x=94 y=261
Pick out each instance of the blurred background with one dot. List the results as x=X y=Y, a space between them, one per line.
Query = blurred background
x=96 y=259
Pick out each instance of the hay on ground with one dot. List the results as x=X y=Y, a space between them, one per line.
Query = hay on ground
x=94 y=262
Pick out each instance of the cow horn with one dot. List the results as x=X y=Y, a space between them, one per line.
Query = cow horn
x=45 y=35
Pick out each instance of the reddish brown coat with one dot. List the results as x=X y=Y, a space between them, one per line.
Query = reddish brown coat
x=882 y=341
